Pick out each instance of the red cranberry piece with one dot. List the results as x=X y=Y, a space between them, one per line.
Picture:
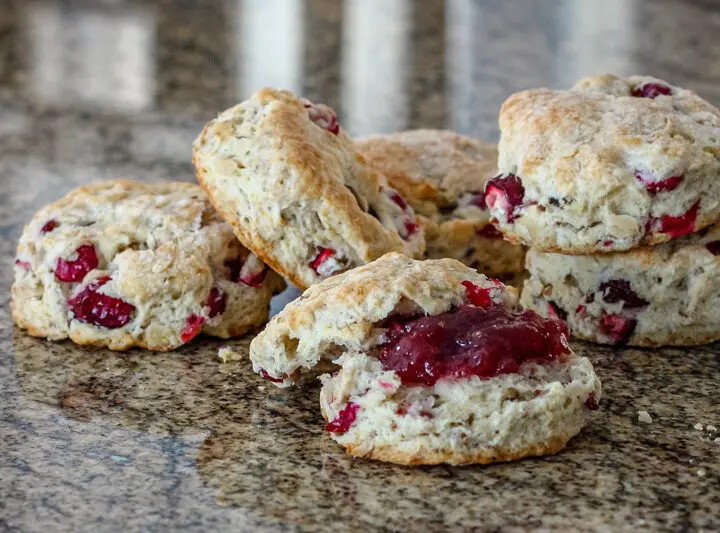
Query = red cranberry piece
x=619 y=290
x=556 y=312
x=477 y=295
x=411 y=228
x=216 y=302
x=322 y=116
x=344 y=419
x=399 y=200
x=490 y=231
x=254 y=279
x=607 y=243
x=267 y=376
x=591 y=402
x=469 y=341
x=77 y=269
x=617 y=327
x=580 y=309
x=675 y=226
x=193 y=327
x=24 y=264
x=99 y=309
x=249 y=277
x=49 y=226
x=651 y=90
x=323 y=255
x=653 y=186
x=505 y=193
x=713 y=247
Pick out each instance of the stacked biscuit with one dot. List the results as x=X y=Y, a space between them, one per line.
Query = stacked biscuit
x=433 y=361
x=614 y=186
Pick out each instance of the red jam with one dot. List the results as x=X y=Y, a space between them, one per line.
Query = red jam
x=469 y=341
x=344 y=419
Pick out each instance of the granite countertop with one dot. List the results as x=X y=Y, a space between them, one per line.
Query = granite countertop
x=92 y=440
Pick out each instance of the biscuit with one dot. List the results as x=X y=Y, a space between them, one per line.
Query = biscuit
x=122 y=264
x=611 y=164
x=287 y=178
x=650 y=296
x=442 y=175
x=409 y=390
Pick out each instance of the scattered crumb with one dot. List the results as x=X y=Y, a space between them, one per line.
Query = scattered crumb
x=261 y=387
x=644 y=417
x=701 y=472
x=710 y=428
x=717 y=440
x=698 y=426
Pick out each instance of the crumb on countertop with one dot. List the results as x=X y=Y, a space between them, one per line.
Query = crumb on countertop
x=644 y=417
x=698 y=426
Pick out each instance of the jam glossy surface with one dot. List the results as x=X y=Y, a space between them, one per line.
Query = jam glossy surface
x=469 y=341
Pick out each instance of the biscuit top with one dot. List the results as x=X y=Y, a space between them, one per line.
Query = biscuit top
x=591 y=140
x=342 y=312
x=433 y=169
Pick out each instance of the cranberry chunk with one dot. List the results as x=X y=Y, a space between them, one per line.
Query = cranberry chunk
x=345 y=419
x=469 y=341
x=216 y=302
x=556 y=312
x=619 y=290
x=99 y=309
x=193 y=327
x=77 y=269
x=410 y=227
x=591 y=402
x=654 y=186
x=322 y=116
x=675 y=226
x=267 y=376
x=250 y=271
x=490 y=231
x=651 y=90
x=505 y=194
x=323 y=263
x=397 y=199
x=713 y=247
x=49 y=226
x=617 y=327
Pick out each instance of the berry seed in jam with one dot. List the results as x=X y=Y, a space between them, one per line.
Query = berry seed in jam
x=469 y=341
x=99 y=309
x=77 y=269
x=344 y=419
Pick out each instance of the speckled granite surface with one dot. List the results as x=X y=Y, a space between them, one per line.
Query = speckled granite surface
x=96 y=441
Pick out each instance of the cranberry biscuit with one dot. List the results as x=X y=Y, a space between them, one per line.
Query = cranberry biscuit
x=438 y=364
x=122 y=264
x=287 y=178
x=443 y=175
x=606 y=166
x=650 y=296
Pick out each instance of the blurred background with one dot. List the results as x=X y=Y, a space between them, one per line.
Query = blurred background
x=96 y=89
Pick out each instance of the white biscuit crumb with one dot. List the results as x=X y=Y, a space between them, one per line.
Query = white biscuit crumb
x=717 y=440
x=644 y=417
x=701 y=472
x=698 y=426
x=710 y=428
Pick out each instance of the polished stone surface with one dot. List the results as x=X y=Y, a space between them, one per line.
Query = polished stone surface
x=96 y=441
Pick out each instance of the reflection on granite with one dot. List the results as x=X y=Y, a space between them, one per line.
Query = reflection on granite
x=97 y=441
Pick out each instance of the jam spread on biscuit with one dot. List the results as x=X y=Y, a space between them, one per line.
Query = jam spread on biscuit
x=471 y=340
